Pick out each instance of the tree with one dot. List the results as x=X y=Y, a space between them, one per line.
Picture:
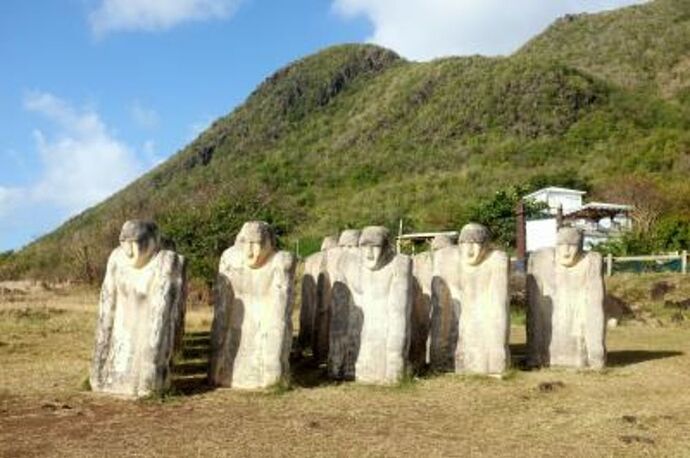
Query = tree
x=648 y=202
x=498 y=213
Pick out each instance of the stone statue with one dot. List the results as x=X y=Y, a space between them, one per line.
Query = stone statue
x=470 y=286
x=339 y=323
x=251 y=333
x=383 y=300
x=141 y=315
x=314 y=288
x=422 y=270
x=565 y=291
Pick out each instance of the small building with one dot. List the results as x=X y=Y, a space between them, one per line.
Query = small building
x=599 y=221
x=557 y=198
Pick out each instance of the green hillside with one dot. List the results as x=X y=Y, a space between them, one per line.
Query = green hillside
x=355 y=135
x=643 y=47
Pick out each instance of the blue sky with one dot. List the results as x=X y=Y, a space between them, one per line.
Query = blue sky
x=95 y=92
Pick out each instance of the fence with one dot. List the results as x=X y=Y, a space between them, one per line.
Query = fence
x=638 y=264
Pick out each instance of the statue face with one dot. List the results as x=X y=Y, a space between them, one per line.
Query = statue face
x=138 y=253
x=373 y=256
x=567 y=255
x=255 y=252
x=472 y=253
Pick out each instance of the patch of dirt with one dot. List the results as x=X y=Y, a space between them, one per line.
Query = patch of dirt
x=32 y=314
x=630 y=419
x=615 y=307
x=680 y=305
x=659 y=290
x=549 y=387
x=633 y=439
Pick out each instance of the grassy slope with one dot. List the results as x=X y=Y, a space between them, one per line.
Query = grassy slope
x=355 y=135
x=647 y=49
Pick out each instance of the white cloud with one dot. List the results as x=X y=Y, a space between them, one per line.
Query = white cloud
x=144 y=117
x=83 y=162
x=152 y=15
x=425 y=29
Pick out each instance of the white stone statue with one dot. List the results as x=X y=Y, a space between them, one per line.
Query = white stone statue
x=422 y=270
x=382 y=292
x=565 y=291
x=251 y=333
x=141 y=315
x=340 y=325
x=314 y=289
x=471 y=286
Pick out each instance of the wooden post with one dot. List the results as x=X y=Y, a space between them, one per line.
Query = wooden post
x=684 y=262
x=559 y=217
x=520 y=236
x=398 y=242
x=609 y=264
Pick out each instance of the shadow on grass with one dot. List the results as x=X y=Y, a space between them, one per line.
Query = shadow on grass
x=630 y=357
x=306 y=373
x=518 y=355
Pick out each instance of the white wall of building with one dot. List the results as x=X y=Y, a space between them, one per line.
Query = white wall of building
x=541 y=233
x=570 y=200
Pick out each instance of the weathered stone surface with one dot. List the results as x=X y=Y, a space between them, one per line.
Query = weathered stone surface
x=315 y=286
x=470 y=288
x=380 y=321
x=422 y=270
x=141 y=315
x=340 y=323
x=252 y=330
x=565 y=290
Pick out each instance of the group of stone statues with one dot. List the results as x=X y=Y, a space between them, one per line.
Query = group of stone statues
x=368 y=313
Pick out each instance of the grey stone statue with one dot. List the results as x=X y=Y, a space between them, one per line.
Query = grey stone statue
x=141 y=315
x=315 y=287
x=338 y=338
x=565 y=290
x=422 y=270
x=252 y=329
x=470 y=288
x=383 y=300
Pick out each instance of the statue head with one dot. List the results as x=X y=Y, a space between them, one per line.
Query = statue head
x=376 y=247
x=441 y=241
x=329 y=242
x=474 y=243
x=349 y=238
x=139 y=242
x=568 y=246
x=256 y=241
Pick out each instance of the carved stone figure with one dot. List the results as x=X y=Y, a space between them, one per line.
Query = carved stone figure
x=565 y=290
x=339 y=328
x=422 y=270
x=141 y=315
x=314 y=289
x=383 y=300
x=470 y=287
x=252 y=330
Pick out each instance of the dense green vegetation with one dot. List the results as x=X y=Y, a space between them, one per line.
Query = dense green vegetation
x=641 y=47
x=355 y=135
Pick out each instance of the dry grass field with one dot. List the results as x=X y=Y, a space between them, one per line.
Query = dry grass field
x=639 y=406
